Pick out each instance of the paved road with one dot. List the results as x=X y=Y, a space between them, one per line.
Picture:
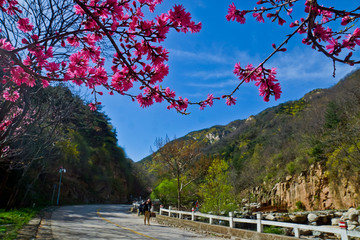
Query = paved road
x=110 y=222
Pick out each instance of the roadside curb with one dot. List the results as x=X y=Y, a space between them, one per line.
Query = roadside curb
x=38 y=227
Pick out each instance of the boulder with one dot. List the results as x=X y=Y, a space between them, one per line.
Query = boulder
x=298 y=218
x=305 y=232
x=351 y=227
x=356 y=223
x=339 y=214
x=324 y=220
x=354 y=211
x=283 y=218
x=352 y=214
x=312 y=217
x=270 y=217
x=335 y=221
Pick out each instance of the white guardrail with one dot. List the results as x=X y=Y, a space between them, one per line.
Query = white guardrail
x=342 y=232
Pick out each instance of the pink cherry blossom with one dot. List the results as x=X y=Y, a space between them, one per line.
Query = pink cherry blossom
x=322 y=33
x=92 y=106
x=24 y=25
x=334 y=46
x=236 y=15
x=11 y=96
x=294 y=24
x=345 y=20
x=73 y=41
x=52 y=67
x=182 y=104
x=45 y=83
x=258 y=17
x=169 y=93
x=210 y=100
x=327 y=15
x=6 y=45
x=230 y=101
x=281 y=21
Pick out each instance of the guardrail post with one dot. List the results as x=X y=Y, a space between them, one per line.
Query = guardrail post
x=231 y=219
x=296 y=232
x=210 y=220
x=169 y=211
x=192 y=215
x=259 y=226
x=160 y=211
x=180 y=215
x=343 y=233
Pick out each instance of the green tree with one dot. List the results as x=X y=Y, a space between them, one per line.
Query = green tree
x=332 y=118
x=216 y=191
x=166 y=192
x=180 y=159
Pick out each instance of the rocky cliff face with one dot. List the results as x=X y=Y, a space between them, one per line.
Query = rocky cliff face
x=314 y=189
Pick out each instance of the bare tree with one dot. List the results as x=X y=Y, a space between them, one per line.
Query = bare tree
x=180 y=159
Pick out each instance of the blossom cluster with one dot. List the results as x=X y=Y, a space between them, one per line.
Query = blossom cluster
x=11 y=96
x=317 y=27
x=139 y=59
x=6 y=122
x=14 y=113
x=264 y=78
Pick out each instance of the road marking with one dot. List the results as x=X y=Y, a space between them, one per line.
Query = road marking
x=125 y=228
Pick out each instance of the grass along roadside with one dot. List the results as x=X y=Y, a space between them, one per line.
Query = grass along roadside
x=12 y=221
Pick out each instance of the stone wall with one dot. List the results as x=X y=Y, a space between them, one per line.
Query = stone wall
x=314 y=189
x=325 y=217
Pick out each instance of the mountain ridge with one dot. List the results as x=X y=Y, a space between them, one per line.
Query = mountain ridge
x=287 y=139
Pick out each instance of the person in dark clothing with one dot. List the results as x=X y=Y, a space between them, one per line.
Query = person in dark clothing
x=141 y=209
x=147 y=211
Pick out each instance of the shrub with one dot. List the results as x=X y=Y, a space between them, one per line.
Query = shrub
x=291 y=168
x=274 y=230
x=300 y=206
x=14 y=220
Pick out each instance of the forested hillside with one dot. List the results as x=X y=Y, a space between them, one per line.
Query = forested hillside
x=320 y=129
x=54 y=128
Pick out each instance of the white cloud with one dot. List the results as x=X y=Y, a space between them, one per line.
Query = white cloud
x=307 y=65
x=217 y=84
x=199 y=56
x=208 y=74
x=219 y=54
x=217 y=65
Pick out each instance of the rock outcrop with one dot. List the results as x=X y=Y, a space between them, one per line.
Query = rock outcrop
x=313 y=190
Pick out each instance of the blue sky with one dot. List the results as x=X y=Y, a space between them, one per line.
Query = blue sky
x=202 y=63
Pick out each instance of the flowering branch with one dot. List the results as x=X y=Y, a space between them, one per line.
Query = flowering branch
x=139 y=58
x=316 y=34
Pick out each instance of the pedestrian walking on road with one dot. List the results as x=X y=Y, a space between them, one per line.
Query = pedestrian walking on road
x=141 y=209
x=147 y=211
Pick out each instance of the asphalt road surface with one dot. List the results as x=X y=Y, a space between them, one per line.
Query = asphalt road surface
x=111 y=222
